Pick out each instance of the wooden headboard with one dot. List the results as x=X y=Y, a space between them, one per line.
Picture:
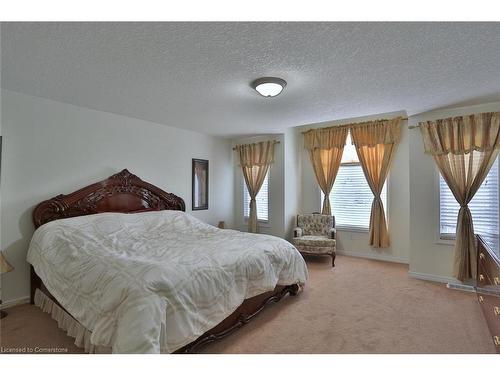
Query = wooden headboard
x=122 y=192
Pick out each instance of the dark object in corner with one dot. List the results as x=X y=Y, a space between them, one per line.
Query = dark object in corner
x=488 y=288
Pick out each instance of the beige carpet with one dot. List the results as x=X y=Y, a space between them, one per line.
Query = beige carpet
x=360 y=306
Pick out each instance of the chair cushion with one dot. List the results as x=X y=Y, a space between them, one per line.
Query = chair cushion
x=316 y=241
x=313 y=250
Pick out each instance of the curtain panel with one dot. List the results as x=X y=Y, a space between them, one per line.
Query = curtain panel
x=376 y=143
x=464 y=149
x=325 y=147
x=255 y=160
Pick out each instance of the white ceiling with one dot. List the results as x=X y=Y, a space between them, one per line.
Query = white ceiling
x=197 y=75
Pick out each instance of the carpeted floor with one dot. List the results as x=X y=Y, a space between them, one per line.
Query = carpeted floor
x=360 y=306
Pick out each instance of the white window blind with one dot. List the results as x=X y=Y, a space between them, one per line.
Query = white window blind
x=484 y=208
x=351 y=198
x=262 y=200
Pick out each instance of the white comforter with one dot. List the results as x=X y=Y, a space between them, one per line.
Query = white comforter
x=155 y=281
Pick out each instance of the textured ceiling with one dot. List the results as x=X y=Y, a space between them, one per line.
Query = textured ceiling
x=196 y=75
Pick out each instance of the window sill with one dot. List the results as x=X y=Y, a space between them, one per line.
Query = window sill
x=352 y=229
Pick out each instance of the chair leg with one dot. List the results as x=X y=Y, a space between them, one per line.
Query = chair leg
x=333 y=260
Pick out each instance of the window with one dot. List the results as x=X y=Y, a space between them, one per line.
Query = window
x=262 y=201
x=484 y=208
x=351 y=198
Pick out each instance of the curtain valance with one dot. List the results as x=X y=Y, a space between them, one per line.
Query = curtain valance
x=368 y=133
x=462 y=134
x=325 y=138
x=372 y=133
x=256 y=154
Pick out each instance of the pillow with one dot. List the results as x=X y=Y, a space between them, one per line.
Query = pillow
x=144 y=210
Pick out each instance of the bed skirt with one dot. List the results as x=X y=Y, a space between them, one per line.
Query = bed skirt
x=250 y=308
x=68 y=324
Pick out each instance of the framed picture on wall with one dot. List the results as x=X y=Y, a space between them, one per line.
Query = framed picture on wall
x=200 y=184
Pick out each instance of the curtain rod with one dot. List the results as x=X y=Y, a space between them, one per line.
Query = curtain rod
x=355 y=123
x=234 y=148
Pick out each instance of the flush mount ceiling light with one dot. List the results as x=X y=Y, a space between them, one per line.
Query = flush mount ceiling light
x=269 y=86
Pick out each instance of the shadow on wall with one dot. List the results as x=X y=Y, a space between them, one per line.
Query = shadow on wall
x=16 y=251
x=292 y=223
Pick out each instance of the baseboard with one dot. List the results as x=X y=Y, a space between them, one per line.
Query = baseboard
x=435 y=278
x=14 y=302
x=462 y=287
x=382 y=257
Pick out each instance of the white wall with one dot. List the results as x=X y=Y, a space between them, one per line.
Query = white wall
x=356 y=243
x=51 y=147
x=429 y=257
x=292 y=188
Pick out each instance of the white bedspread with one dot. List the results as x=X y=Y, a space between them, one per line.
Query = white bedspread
x=156 y=281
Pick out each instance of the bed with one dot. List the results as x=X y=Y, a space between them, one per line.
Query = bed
x=122 y=268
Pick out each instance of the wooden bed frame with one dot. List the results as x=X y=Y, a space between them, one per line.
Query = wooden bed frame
x=125 y=192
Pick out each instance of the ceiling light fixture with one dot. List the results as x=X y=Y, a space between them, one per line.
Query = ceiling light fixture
x=269 y=86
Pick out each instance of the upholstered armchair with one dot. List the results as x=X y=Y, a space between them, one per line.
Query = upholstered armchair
x=315 y=235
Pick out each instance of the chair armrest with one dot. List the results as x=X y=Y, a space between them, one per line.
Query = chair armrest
x=333 y=233
x=297 y=232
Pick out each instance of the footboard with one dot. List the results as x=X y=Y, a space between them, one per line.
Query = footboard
x=250 y=308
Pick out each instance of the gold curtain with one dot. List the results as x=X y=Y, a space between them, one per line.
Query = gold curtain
x=255 y=159
x=376 y=143
x=4 y=265
x=464 y=149
x=325 y=148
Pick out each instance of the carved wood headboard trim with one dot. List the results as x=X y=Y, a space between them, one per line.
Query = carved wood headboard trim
x=122 y=192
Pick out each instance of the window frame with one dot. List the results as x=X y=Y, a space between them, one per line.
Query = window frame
x=448 y=239
x=262 y=223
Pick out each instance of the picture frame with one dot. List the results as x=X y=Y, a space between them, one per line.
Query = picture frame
x=200 y=184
